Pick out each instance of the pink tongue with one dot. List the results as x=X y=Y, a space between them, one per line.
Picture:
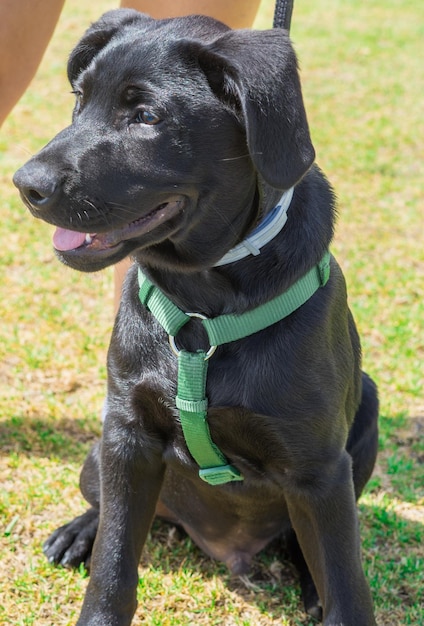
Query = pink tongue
x=64 y=239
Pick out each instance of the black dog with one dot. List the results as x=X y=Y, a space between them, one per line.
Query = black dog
x=185 y=135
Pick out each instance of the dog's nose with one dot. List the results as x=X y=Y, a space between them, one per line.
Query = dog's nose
x=37 y=185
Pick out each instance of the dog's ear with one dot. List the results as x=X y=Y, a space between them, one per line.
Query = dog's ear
x=257 y=71
x=98 y=35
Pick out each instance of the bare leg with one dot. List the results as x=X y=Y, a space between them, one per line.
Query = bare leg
x=25 y=30
x=237 y=13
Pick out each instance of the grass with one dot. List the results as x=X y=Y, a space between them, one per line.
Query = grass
x=363 y=81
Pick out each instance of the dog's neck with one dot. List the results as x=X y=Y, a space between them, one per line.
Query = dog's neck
x=264 y=232
x=246 y=283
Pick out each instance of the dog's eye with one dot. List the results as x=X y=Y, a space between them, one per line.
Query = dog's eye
x=145 y=117
x=78 y=95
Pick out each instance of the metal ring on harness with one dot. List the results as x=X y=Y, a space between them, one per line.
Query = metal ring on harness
x=172 y=343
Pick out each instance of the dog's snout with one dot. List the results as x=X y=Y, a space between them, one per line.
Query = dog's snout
x=38 y=186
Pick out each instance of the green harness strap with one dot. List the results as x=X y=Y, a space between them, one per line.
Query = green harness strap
x=192 y=366
x=192 y=405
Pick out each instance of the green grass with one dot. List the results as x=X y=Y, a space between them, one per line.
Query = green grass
x=363 y=80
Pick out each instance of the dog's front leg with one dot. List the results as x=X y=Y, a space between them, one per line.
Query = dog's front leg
x=323 y=514
x=131 y=478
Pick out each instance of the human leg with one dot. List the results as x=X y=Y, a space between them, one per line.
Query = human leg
x=25 y=30
x=237 y=14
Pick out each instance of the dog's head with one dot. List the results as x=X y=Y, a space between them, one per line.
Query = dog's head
x=176 y=126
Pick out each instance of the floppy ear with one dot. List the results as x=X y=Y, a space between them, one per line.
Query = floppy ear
x=257 y=70
x=98 y=35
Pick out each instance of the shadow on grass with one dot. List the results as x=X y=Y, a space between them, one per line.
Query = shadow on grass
x=66 y=438
x=392 y=554
x=392 y=541
x=400 y=463
x=272 y=585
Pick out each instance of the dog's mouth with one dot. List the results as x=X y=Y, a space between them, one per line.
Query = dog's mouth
x=71 y=241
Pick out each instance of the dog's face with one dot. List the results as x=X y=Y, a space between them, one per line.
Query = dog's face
x=176 y=126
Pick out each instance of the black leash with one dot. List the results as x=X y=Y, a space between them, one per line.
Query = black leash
x=283 y=13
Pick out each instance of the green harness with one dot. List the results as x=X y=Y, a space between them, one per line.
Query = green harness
x=191 y=398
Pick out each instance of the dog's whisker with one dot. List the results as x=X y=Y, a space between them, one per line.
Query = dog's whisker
x=237 y=158
x=117 y=204
x=100 y=211
x=121 y=211
x=96 y=208
x=92 y=205
x=227 y=222
x=120 y=207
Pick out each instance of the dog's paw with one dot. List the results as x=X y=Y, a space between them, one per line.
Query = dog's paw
x=71 y=544
x=310 y=597
x=315 y=612
x=311 y=602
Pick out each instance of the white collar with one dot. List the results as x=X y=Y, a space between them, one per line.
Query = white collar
x=270 y=226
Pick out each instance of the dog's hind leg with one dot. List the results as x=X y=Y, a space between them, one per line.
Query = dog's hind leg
x=323 y=514
x=362 y=443
x=362 y=446
x=72 y=544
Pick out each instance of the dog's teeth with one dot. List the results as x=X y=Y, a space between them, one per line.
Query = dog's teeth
x=88 y=238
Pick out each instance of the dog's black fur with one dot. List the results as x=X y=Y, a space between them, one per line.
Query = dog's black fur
x=184 y=135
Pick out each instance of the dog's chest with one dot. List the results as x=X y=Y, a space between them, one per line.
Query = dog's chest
x=251 y=408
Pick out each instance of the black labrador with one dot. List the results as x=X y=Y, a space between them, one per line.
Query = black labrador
x=185 y=135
